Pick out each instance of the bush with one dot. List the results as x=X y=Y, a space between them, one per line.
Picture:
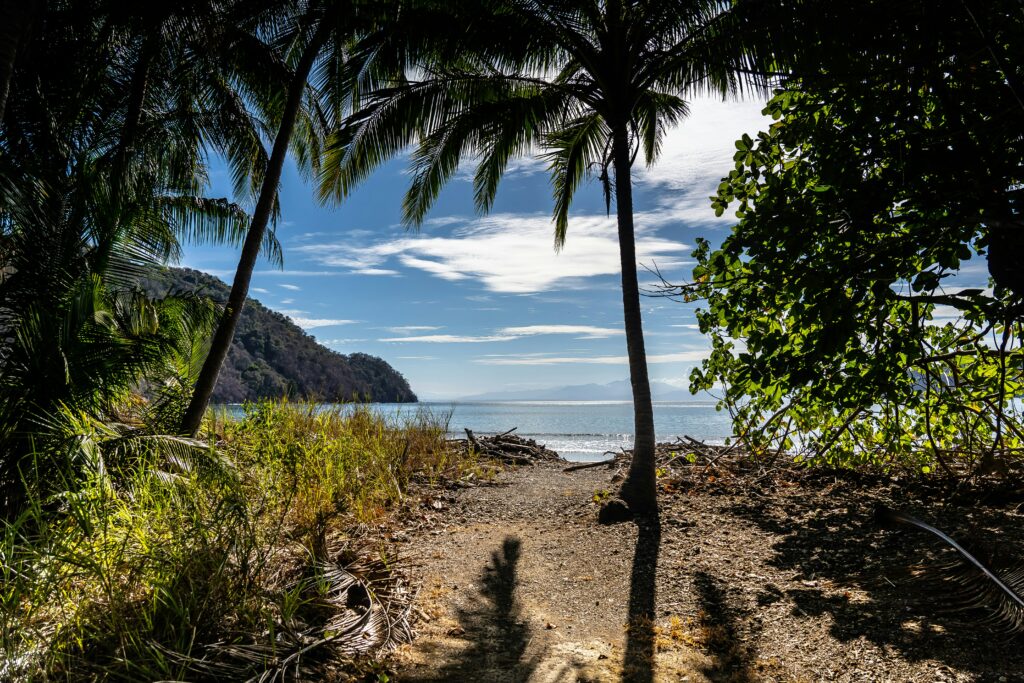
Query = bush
x=198 y=560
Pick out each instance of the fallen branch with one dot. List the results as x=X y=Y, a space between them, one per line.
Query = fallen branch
x=588 y=465
x=508 y=448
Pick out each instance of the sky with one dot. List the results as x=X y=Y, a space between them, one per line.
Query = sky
x=471 y=304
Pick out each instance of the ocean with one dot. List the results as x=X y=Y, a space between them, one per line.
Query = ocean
x=576 y=430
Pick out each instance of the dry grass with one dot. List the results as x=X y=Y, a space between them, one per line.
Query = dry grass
x=137 y=576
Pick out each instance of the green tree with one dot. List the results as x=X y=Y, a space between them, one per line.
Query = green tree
x=888 y=170
x=102 y=166
x=590 y=84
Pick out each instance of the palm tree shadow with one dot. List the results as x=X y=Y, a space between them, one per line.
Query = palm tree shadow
x=493 y=621
x=638 y=660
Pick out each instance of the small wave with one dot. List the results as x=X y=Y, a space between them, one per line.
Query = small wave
x=556 y=435
x=577 y=435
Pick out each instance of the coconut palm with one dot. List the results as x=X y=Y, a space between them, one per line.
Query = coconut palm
x=102 y=169
x=313 y=39
x=588 y=83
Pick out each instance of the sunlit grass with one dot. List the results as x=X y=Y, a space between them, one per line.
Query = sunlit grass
x=130 y=576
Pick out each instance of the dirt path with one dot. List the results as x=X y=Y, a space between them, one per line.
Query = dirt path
x=784 y=583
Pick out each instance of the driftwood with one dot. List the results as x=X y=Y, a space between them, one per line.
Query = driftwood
x=684 y=452
x=508 y=448
x=588 y=465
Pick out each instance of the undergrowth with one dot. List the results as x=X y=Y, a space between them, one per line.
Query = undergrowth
x=172 y=559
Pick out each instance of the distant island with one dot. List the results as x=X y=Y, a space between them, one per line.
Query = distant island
x=272 y=357
x=613 y=391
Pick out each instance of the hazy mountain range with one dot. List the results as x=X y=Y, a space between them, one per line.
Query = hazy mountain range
x=613 y=391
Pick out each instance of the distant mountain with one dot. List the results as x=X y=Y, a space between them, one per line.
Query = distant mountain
x=273 y=357
x=613 y=391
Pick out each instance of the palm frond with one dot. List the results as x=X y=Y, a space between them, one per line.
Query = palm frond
x=655 y=114
x=515 y=125
x=203 y=219
x=574 y=150
x=369 y=605
x=976 y=586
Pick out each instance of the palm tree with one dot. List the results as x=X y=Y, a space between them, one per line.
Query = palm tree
x=590 y=83
x=314 y=39
x=102 y=168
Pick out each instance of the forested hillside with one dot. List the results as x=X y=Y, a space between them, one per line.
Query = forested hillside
x=272 y=357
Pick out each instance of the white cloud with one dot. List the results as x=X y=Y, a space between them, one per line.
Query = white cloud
x=504 y=334
x=375 y=271
x=583 y=331
x=517 y=166
x=260 y=290
x=287 y=301
x=407 y=329
x=441 y=221
x=312 y=323
x=450 y=339
x=537 y=359
x=290 y=288
x=698 y=153
x=301 y=273
x=417 y=357
x=512 y=253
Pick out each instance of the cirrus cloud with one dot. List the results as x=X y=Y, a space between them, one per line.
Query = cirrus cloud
x=511 y=333
x=313 y=323
x=541 y=359
x=510 y=253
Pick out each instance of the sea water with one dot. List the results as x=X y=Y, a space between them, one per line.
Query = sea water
x=576 y=430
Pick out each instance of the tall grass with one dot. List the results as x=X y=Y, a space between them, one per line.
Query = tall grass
x=188 y=555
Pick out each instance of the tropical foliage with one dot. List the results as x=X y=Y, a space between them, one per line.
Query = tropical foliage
x=102 y=165
x=839 y=321
x=216 y=562
x=127 y=552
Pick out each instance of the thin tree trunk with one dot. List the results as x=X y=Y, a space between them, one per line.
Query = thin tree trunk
x=638 y=490
x=136 y=104
x=15 y=19
x=119 y=217
x=225 y=333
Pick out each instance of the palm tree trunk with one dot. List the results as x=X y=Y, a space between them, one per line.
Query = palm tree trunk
x=114 y=224
x=225 y=333
x=638 y=490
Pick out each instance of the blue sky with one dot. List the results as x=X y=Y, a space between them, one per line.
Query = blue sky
x=473 y=303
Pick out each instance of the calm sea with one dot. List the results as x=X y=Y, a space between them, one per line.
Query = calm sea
x=577 y=430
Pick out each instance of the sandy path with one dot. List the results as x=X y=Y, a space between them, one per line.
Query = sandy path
x=520 y=584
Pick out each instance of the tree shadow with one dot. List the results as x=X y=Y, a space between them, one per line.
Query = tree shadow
x=732 y=655
x=493 y=622
x=867 y=580
x=638 y=661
